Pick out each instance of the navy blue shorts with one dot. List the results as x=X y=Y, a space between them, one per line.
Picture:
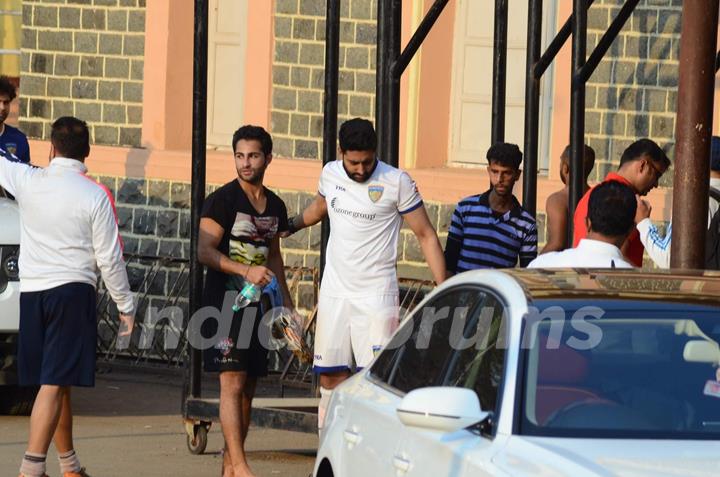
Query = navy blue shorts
x=58 y=336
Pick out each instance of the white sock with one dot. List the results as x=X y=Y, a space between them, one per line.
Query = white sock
x=69 y=462
x=33 y=465
x=322 y=407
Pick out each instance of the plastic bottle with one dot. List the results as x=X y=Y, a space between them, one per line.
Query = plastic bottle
x=250 y=293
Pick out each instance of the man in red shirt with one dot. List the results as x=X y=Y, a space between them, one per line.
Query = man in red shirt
x=641 y=166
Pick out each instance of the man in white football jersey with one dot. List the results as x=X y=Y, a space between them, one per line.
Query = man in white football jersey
x=366 y=201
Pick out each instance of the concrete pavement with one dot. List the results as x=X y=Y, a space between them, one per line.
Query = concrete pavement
x=130 y=424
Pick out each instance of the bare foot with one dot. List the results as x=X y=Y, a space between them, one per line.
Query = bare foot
x=243 y=470
x=228 y=472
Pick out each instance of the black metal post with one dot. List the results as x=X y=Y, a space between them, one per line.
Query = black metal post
x=418 y=37
x=693 y=131
x=381 y=72
x=499 y=72
x=606 y=41
x=554 y=47
x=330 y=102
x=198 y=176
x=532 y=106
x=391 y=147
x=577 y=111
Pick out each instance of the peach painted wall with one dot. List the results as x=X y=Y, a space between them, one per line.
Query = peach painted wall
x=167 y=91
x=435 y=87
x=258 y=67
x=168 y=74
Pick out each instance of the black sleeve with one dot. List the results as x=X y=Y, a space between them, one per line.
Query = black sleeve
x=216 y=208
x=283 y=217
x=452 y=254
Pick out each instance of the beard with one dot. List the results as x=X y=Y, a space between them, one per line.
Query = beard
x=360 y=178
x=505 y=192
x=255 y=178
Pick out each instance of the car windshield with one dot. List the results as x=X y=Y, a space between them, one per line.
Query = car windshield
x=614 y=369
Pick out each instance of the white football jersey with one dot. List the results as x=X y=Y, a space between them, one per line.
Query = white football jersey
x=365 y=221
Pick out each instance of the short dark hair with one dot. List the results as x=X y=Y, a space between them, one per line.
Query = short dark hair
x=611 y=209
x=644 y=147
x=505 y=154
x=7 y=87
x=357 y=134
x=588 y=158
x=71 y=138
x=254 y=133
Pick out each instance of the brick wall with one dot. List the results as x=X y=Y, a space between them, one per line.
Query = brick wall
x=84 y=58
x=633 y=92
x=298 y=71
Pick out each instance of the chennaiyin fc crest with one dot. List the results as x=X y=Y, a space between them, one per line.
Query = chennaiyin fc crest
x=375 y=191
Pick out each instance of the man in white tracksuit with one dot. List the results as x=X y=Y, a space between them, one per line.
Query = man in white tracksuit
x=69 y=231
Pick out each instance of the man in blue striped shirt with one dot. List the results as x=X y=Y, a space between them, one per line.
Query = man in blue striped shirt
x=492 y=230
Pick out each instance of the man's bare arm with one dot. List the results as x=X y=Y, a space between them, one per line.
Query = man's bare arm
x=313 y=213
x=419 y=223
x=277 y=266
x=211 y=234
x=556 y=212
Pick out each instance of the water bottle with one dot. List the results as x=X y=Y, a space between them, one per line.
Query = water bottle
x=250 y=293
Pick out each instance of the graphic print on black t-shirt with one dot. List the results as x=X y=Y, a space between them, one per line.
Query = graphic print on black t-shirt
x=248 y=233
x=249 y=242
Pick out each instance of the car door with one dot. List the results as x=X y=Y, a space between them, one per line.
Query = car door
x=415 y=357
x=478 y=364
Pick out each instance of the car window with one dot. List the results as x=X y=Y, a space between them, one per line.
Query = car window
x=628 y=373
x=423 y=347
x=480 y=366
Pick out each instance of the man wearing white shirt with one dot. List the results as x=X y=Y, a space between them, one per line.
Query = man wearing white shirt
x=68 y=233
x=611 y=218
x=367 y=202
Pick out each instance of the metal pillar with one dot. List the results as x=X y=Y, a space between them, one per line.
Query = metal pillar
x=532 y=106
x=390 y=150
x=536 y=70
x=398 y=68
x=381 y=72
x=577 y=110
x=499 y=72
x=606 y=41
x=330 y=102
x=693 y=131
x=199 y=136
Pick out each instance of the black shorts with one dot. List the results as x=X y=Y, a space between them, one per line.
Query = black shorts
x=242 y=349
x=58 y=336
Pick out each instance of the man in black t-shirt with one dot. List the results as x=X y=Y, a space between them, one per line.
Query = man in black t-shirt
x=239 y=242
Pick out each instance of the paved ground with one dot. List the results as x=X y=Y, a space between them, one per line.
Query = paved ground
x=130 y=425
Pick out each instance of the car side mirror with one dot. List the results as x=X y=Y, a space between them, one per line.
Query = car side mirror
x=701 y=351
x=446 y=409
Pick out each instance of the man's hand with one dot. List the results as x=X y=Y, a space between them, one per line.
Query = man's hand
x=643 y=210
x=127 y=323
x=259 y=275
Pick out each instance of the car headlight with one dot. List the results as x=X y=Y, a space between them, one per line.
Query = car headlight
x=11 y=268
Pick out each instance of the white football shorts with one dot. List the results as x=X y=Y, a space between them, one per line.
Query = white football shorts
x=348 y=327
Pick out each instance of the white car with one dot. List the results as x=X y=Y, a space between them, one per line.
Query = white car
x=520 y=373
x=13 y=399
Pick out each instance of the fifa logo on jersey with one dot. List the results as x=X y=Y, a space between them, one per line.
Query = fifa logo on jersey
x=375 y=192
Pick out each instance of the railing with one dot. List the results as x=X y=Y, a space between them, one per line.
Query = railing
x=160 y=338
